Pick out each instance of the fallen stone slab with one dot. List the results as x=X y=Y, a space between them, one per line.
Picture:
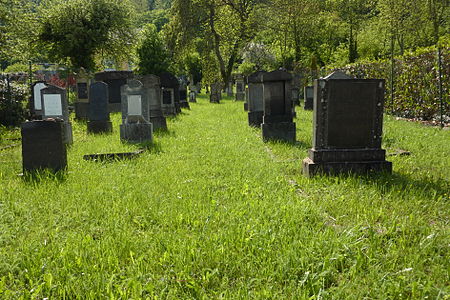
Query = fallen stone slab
x=113 y=156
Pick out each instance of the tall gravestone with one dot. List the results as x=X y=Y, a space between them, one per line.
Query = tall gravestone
x=152 y=87
x=216 y=93
x=192 y=93
x=82 y=102
x=98 y=113
x=135 y=127
x=255 y=99
x=183 y=96
x=170 y=98
x=114 y=80
x=230 y=89
x=309 y=97
x=55 y=106
x=295 y=85
x=348 y=121
x=246 y=97
x=43 y=146
x=240 y=88
x=36 y=101
x=277 y=121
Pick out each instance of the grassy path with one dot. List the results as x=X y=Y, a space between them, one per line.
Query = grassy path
x=211 y=211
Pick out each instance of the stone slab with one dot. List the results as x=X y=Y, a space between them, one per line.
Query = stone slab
x=136 y=132
x=99 y=157
x=311 y=168
x=346 y=155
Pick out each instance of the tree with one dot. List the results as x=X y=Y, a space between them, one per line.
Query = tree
x=152 y=55
x=79 y=30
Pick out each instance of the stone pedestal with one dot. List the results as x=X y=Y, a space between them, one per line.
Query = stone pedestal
x=43 y=146
x=99 y=127
x=283 y=131
x=136 y=132
x=158 y=123
x=81 y=110
x=183 y=98
x=255 y=118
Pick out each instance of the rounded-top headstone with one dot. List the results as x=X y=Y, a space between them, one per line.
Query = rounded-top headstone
x=337 y=75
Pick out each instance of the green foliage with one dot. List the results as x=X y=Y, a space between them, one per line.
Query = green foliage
x=81 y=29
x=152 y=54
x=12 y=110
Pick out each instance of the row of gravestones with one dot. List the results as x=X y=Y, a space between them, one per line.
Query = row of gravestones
x=347 y=120
x=144 y=104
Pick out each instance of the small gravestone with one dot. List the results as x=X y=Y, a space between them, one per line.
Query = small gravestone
x=309 y=97
x=36 y=101
x=348 y=121
x=295 y=85
x=246 y=97
x=170 y=98
x=295 y=96
x=43 y=146
x=240 y=88
x=277 y=121
x=99 y=121
x=193 y=93
x=152 y=87
x=255 y=99
x=82 y=102
x=135 y=127
x=55 y=106
x=216 y=93
x=230 y=89
x=183 y=96
x=115 y=80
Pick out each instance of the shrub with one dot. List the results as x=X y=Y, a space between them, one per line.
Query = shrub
x=12 y=110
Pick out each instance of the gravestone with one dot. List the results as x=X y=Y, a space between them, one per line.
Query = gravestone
x=114 y=80
x=309 y=97
x=183 y=96
x=135 y=127
x=230 y=89
x=99 y=121
x=170 y=98
x=277 y=120
x=255 y=99
x=246 y=97
x=36 y=101
x=295 y=96
x=240 y=88
x=43 y=146
x=152 y=87
x=216 y=93
x=295 y=85
x=82 y=102
x=348 y=121
x=55 y=106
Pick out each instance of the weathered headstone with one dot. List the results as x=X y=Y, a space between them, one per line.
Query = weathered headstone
x=246 y=97
x=36 y=101
x=135 y=127
x=240 y=88
x=170 y=98
x=255 y=99
x=295 y=96
x=295 y=86
x=277 y=121
x=183 y=96
x=229 y=89
x=309 y=97
x=114 y=80
x=43 y=146
x=82 y=102
x=55 y=106
x=348 y=121
x=99 y=121
x=152 y=87
x=216 y=93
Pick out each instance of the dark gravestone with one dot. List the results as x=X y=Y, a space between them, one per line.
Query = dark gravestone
x=135 y=127
x=255 y=99
x=295 y=96
x=183 y=97
x=152 y=87
x=99 y=121
x=348 y=121
x=230 y=89
x=55 y=106
x=309 y=97
x=216 y=93
x=171 y=94
x=43 y=146
x=295 y=86
x=82 y=102
x=240 y=88
x=246 y=98
x=277 y=121
x=114 y=80
x=36 y=101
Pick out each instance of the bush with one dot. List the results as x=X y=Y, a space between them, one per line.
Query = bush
x=12 y=110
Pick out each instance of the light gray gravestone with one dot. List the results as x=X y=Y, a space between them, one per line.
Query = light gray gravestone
x=240 y=88
x=99 y=121
x=55 y=106
x=36 y=101
x=135 y=127
x=82 y=102
x=255 y=99
x=348 y=121
x=152 y=87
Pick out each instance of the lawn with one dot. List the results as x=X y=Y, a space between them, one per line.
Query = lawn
x=210 y=211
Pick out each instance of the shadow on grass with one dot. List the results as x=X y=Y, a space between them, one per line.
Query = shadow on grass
x=296 y=144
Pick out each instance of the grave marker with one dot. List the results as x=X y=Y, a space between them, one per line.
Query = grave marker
x=152 y=87
x=36 y=101
x=216 y=93
x=240 y=88
x=255 y=99
x=170 y=101
x=99 y=121
x=82 y=103
x=114 y=80
x=309 y=97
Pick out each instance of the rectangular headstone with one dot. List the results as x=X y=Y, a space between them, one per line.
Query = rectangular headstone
x=54 y=103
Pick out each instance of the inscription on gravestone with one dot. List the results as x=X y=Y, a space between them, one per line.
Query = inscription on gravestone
x=134 y=105
x=52 y=105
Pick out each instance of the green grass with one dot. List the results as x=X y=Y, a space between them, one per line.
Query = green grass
x=213 y=212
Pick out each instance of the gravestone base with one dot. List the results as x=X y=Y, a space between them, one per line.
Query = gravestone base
x=310 y=168
x=68 y=136
x=282 y=131
x=81 y=110
x=185 y=104
x=136 y=132
x=43 y=146
x=214 y=98
x=99 y=127
x=177 y=108
x=114 y=107
x=169 y=111
x=240 y=96
x=255 y=118
x=246 y=106
x=158 y=123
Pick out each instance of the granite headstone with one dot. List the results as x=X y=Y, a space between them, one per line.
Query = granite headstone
x=114 y=80
x=99 y=121
x=255 y=99
x=170 y=98
x=152 y=87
